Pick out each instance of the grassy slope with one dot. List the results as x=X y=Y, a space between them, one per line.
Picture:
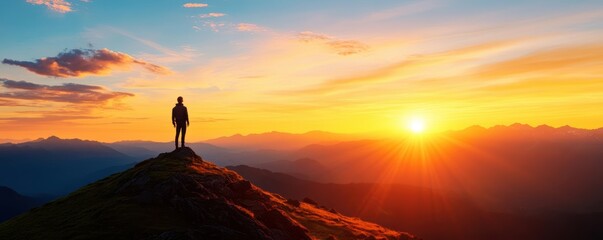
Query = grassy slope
x=95 y=211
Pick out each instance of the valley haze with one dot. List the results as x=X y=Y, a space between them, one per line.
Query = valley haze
x=502 y=178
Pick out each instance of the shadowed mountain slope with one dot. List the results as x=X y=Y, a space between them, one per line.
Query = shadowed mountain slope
x=53 y=165
x=13 y=203
x=177 y=195
x=516 y=168
x=430 y=213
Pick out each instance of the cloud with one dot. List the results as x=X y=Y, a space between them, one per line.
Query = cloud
x=212 y=15
x=194 y=5
x=44 y=119
x=61 y=6
x=341 y=47
x=347 y=47
x=412 y=67
x=214 y=26
x=308 y=36
x=82 y=62
x=165 y=54
x=68 y=92
x=249 y=27
x=561 y=60
x=6 y=102
x=241 y=27
x=31 y=120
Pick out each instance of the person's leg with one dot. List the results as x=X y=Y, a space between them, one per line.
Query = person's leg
x=177 y=133
x=183 y=134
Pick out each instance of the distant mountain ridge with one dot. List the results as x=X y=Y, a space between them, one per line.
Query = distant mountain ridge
x=526 y=129
x=474 y=156
x=177 y=195
x=516 y=169
x=495 y=164
x=57 y=166
x=51 y=165
x=279 y=140
x=430 y=213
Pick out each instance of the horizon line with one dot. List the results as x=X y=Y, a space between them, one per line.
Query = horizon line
x=367 y=134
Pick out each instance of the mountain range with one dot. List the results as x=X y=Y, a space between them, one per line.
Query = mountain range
x=506 y=177
x=53 y=165
x=177 y=195
x=515 y=168
x=434 y=214
x=279 y=140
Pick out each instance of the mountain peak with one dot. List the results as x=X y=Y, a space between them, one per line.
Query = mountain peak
x=182 y=153
x=53 y=138
x=177 y=195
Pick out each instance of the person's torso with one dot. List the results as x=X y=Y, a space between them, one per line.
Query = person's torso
x=180 y=112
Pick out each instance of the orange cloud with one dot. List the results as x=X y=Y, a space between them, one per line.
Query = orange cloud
x=212 y=15
x=194 y=5
x=214 y=25
x=68 y=92
x=562 y=60
x=410 y=67
x=39 y=107
x=249 y=27
x=61 y=6
x=82 y=62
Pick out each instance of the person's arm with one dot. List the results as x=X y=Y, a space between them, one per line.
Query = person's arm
x=173 y=117
x=186 y=116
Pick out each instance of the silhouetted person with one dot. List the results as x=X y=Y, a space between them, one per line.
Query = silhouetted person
x=180 y=120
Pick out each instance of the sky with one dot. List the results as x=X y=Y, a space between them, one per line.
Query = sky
x=112 y=70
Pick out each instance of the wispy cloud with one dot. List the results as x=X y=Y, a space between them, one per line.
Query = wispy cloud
x=44 y=119
x=212 y=15
x=220 y=26
x=341 y=47
x=249 y=27
x=67 y=93
x=82 y=62
x=308 y=36
x=409 y=68
x=61 y=6
x=195 y=5
x=562 y=60
x=7 y=102
x=164 y=55
x=36 y=120
x=214 y=26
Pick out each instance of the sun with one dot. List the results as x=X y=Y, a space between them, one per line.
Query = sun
x=416 y=125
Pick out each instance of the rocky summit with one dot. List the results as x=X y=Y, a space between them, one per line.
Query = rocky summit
x=177 y=195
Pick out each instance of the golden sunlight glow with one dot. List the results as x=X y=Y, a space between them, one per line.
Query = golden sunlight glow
x=339 y=80
x=416 y=125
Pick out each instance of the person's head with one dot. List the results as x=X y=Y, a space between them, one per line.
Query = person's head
x=180 y=99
